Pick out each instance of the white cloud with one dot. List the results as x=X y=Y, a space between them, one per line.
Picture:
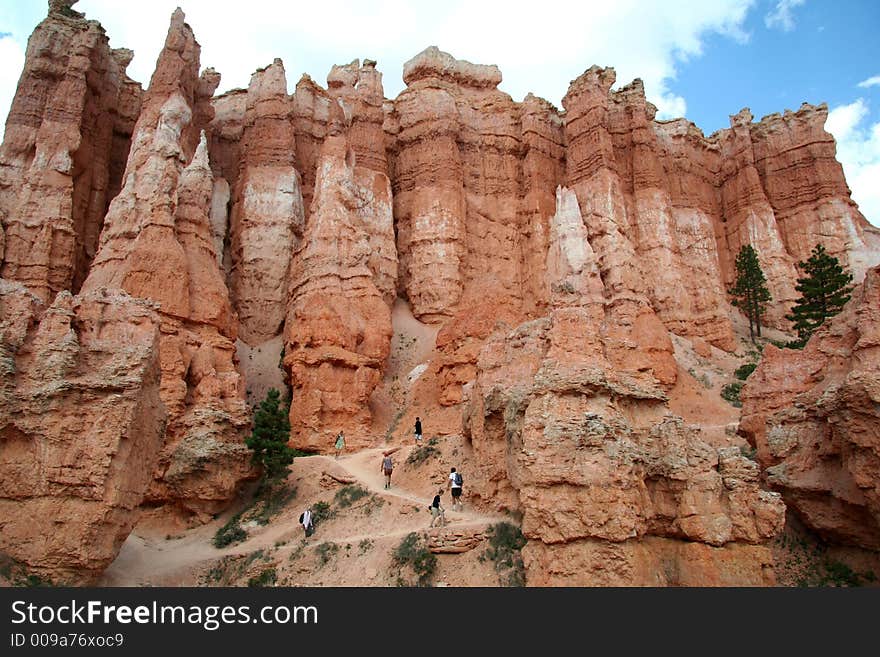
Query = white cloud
x=858 y=149
x=870 y=82
x=782 y=16
x=537 y=51
x=11 y=63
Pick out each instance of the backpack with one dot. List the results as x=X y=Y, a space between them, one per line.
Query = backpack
x=458 y=479
x=301 y=517
x=386 y=463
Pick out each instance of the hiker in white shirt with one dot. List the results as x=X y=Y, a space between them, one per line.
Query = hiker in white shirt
x=454 y=484
x=306 y=521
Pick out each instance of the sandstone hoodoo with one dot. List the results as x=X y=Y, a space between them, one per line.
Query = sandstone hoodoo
x=548 y=289
x=157 y=244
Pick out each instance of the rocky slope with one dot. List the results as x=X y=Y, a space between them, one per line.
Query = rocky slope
x=813 y=417
x=80 y=427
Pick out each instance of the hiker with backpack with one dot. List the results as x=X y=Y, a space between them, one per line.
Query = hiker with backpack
x=387 y=467
x=437 y=510
x=305 y=519
x=455 y=484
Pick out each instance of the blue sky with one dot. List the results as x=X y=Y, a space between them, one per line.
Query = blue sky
x=701 y=59
x=830 y=47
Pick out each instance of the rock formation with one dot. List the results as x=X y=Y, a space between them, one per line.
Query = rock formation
x=574 y=434
x=814 y=417
x=267 y=211
x=157 y=244
x=81 y=427
x=67 y=137
x=338 y=328
x=553 y=252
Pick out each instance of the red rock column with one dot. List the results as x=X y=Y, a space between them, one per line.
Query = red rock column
x=66 y=130
x=429 y=202
x=796 y=161
x=676 y=249
x=338 y=330
x=158 y=244
x=543 y=169
x=748 y=219
x=637 y=339
x=267 y=213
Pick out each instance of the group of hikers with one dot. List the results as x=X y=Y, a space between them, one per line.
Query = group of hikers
x=438 y=513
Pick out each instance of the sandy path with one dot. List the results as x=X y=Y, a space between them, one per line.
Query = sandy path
x=364 y=466
x=146 y=561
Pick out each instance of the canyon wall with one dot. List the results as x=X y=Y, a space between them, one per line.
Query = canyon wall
x=814 y=418
x=81 y=424
x=553 y=251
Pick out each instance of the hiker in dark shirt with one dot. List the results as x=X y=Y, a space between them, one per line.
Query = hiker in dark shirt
x=437 y=511
x=418 y=430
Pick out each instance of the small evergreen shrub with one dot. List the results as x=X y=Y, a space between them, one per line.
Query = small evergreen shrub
x=321 y=511
x=325 y=552
x=730 y=393
x=743 y=371
x=230 y=533
x=413 y=553
x=505 y=544
x=266 y=578
x=421 y=454
x=348 y=495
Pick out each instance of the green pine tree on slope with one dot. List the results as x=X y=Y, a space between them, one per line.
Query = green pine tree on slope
x=270 y=435
x=824 y=291
x=749 y=292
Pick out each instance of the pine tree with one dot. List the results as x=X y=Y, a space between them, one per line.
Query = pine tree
x=824 y=291
x=270 y=435
x=750 y=292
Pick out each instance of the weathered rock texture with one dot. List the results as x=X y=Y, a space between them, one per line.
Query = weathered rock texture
x=612 y=488
x=67 y=137
x=338 y=329
x=553 y=251
x=81 y=426
x=158 y=244
x=267 y=211
x=571 y=429
x=814 y=417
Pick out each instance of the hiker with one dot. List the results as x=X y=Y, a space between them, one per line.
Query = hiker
x=455 y=482
x=387 y=467
x=437 y=510
x=340 y=443
x=305 y=519
x=418 y=430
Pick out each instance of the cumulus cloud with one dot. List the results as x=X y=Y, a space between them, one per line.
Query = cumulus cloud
x=858 y=149
x=870 y=82
x=12 y=58
x=782 y=16
x=539 y=49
